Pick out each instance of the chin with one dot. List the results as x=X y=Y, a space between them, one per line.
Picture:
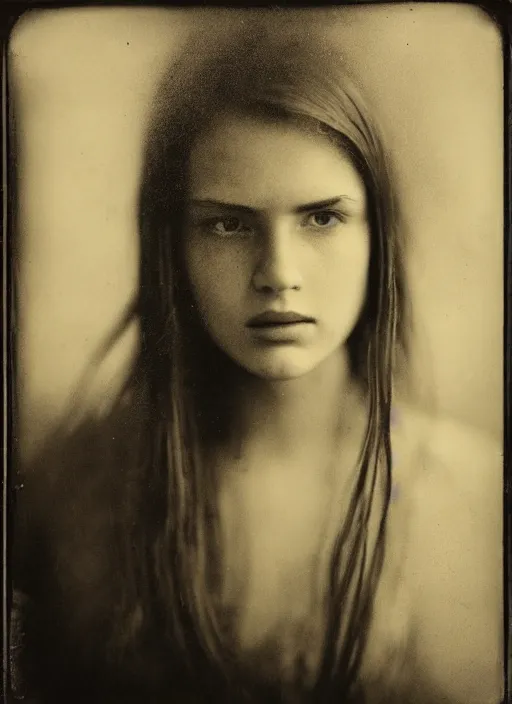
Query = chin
x=279 y=374
x=279 y=369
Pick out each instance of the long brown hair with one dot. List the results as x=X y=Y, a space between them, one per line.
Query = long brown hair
x=171 y=539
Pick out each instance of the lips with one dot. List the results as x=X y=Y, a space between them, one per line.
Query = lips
x=274 y=319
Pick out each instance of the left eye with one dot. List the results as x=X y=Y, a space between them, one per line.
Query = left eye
x=325 y=219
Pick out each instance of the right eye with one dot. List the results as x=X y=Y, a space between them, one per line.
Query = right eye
x=226 y=227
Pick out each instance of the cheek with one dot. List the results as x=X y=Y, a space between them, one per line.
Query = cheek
x=215 y=278
x=344 y=273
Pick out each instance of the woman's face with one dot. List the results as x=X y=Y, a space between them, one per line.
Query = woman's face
x=277 y=244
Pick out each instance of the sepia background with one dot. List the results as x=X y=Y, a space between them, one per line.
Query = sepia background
x=80 y=86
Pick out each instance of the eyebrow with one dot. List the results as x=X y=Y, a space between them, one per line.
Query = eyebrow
x=306 y=208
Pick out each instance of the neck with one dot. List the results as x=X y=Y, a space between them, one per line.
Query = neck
x=288 y=418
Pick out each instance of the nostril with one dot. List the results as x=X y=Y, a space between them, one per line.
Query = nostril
x=269 y=289
x=272 y=278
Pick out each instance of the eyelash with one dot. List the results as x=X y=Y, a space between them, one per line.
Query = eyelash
x=209 y=224
x=339 y=216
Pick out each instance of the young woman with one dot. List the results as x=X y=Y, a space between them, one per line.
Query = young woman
x=254 y=520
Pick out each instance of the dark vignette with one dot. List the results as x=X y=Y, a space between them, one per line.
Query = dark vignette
x=10 y=12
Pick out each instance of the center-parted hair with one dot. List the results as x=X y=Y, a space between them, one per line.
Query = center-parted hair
x=171 y=542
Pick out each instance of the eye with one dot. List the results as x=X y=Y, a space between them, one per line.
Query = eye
x=325 y=219
x=226 y=227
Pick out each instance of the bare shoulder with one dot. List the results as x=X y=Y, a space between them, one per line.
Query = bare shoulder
x=456 y=557
x=457 y=461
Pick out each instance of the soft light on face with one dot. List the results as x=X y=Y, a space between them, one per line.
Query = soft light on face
x=277 y=244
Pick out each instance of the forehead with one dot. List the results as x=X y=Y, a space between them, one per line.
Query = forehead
x=268 y=164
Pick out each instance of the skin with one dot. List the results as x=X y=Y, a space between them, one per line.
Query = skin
x=441 y=595
x=438 y=605
x=294 y=388
x=276 y=251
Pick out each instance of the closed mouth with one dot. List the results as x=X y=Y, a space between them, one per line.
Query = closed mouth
x=274 y=319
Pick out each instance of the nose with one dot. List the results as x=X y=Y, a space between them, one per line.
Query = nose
x=277 y=266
